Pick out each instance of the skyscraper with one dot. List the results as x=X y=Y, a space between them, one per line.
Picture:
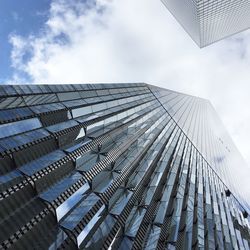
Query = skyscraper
x=210 y=21
x=120 y=166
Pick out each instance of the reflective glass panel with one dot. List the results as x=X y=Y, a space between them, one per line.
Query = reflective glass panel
x=18 y=127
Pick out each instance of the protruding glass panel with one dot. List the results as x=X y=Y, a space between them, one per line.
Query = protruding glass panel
x=60 y=238
x=47 y=108
x=22 y=139
x=81 y=111
x=15 y=114
x=89 y=226
x=101 y=232
x=68 y=96
x=9 y=179
x=61 y=126
x=134 y=222
x=53 y=192
x=11 y=102
x=101 y=182
x=79 y=144
x=40 y=99
x=14 y=128
x=153 y=238
x=75 y=216
x=42 y=162
x=67 y=205
x=126 y=243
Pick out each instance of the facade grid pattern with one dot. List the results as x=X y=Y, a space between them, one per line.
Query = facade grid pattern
x=121 y=166
x=208 y=21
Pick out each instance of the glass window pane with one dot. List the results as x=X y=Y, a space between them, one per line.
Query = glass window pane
x=21 y=139
x=63 y=125
x=47 y=108
x=42 y=162
x=13 y=114
x=90 y=225
x=74 y=103
x=81 y=111
x=40 y=99
x=67 y=205
x=19 y=127
x=78 y=145
x=52 y=193
x=101 y=232
x=68 y=96
x=11 y=102
x=79 y=212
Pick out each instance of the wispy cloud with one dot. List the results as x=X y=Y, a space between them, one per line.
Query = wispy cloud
x=15 y=16
x=131 y=41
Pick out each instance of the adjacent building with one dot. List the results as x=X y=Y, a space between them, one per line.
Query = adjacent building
x=117 y=166
x=210 y=21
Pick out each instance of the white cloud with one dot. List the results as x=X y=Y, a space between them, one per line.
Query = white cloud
x=138 y=41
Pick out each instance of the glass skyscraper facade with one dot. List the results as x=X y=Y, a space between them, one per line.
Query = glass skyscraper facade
x=118 y=166
x=208 y=21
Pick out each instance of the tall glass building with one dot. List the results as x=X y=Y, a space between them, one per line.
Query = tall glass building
x=208 y=21
x=118 y=166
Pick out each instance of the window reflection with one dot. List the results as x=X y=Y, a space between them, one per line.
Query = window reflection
x=22 y=139
x=14 y=114
x=67 y=205
x=19 y=127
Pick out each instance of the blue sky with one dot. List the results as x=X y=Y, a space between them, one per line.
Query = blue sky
x=22 y=18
